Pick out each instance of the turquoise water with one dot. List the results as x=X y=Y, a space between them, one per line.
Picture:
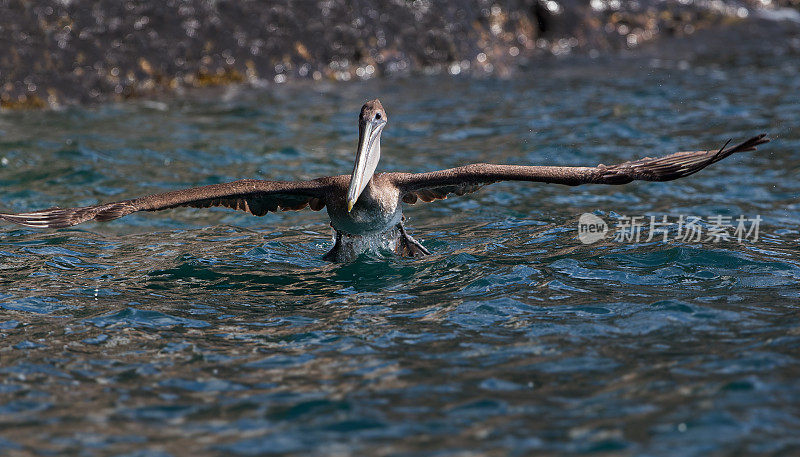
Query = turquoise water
x=194 y=332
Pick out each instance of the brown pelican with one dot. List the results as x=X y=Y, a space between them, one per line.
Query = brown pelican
x=365 y=206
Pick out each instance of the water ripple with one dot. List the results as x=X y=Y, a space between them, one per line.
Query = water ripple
x=195 y=332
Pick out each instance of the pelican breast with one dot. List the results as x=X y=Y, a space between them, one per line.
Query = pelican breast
x=376 y=211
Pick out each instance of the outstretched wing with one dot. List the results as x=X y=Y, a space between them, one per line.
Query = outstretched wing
x=439 y=184
x=255 y=196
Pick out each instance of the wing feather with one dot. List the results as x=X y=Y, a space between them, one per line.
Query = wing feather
x=255 y=196
x=439 y=184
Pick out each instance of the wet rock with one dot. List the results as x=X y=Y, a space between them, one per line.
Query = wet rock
x=61 y=52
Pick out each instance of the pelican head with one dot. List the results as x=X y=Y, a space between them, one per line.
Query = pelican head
x=371 y=122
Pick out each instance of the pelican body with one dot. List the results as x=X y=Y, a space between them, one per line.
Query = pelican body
x=365 y=208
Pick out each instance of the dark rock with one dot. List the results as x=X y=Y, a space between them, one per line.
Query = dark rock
x=62 y=52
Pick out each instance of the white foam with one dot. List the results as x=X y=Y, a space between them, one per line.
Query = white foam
x=354 y=245
x=780 y=14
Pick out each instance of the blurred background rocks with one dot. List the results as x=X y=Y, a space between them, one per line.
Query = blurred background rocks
x=55 y=53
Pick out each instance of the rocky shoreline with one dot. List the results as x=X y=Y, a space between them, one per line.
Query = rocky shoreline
x=57 y=53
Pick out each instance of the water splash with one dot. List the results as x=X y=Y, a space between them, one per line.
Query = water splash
x=352 y=246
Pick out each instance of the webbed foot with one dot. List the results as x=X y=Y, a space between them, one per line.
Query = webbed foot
x=333 y=254
x=408 y=246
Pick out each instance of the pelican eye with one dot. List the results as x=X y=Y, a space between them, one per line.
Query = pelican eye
x=377 y=115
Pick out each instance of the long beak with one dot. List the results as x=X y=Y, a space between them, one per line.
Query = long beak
x=368 y=154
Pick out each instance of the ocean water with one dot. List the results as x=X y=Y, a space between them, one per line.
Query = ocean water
x=213 y=332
